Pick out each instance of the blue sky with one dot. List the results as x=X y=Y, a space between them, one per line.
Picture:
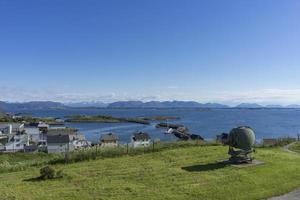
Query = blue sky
x=205 y=50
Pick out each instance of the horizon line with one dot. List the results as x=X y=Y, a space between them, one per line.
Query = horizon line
x=160 y=101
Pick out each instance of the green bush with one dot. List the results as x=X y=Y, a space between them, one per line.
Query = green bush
x=47 y=173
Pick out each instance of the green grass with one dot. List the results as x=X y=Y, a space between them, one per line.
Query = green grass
x=10 y=162
x=183 y=173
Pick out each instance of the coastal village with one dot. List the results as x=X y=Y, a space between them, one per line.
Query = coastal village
x=24 y=133
x=56 y=138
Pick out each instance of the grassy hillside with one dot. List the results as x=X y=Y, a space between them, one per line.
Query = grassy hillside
x=183 y=173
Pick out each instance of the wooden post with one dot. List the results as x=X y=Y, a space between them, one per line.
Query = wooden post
x=153 y=146
x=127 y=148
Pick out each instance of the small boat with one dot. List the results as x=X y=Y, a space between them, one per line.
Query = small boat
x=169 y=131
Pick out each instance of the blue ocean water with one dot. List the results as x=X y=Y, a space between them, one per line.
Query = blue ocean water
x=267 y=123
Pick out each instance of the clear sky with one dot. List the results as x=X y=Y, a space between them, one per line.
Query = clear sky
x=205 y=50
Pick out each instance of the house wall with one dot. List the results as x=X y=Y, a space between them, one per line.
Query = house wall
x=13 y=147
x=109 y=144
x=60 y=148
x=141 y=143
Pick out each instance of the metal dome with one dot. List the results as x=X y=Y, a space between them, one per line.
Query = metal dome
x=242 y=137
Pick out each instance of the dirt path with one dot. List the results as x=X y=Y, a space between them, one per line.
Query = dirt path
x=286 y=148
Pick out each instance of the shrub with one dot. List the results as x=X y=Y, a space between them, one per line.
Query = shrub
x=47 y=173
x=60 y=174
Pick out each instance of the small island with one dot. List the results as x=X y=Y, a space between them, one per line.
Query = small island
x=30 y=119
x=105 y=119
x=111 y=119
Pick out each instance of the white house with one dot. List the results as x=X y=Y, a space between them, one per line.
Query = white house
x=17 y=143
x=12 y=137
x=33 y=132
x=140 y=139
x=109 y=140
x=78 y=144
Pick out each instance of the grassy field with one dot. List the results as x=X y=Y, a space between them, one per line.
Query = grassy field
x=183 y=173
x=10 y=162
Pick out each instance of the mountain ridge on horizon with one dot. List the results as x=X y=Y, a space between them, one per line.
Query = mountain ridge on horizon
x=35 y=105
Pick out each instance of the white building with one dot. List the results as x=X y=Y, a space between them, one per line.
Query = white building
x=12 y=137
x=33 y=133
x=78 y=144
x=140 y=139
x=17 y=143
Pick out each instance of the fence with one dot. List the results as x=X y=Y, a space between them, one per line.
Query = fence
x=96 y=152
x=271 y=142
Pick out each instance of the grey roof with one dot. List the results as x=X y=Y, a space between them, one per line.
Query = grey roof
x=62 y=131
x=141 y=136
x=58 y=139
x=109 y=137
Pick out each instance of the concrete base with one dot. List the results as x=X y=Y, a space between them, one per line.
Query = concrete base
x=253 y=163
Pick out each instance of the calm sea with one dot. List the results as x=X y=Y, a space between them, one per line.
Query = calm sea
x=207 y=123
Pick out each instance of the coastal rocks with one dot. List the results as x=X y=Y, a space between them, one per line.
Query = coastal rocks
x=180 y=131
x=167 y=125
x=161 y=118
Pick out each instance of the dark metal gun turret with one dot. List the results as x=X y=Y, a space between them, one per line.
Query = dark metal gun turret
x=243 y=139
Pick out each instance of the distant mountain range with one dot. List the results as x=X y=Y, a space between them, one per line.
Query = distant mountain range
x=188 y=104
x=34 y=105
x=84 y=104
x=44 y=105
x=249 y=105
x=164 y=104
